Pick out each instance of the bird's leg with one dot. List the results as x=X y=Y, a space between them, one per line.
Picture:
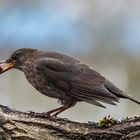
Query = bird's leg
x=67 y=105
x=50 y=114
x=56 y=111
x=63 y=108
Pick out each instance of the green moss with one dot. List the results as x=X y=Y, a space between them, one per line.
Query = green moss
x=107 y=121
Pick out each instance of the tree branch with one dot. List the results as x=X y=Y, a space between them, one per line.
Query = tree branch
x=25 y=126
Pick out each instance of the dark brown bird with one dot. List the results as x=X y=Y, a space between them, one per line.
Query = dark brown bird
x=60 y=76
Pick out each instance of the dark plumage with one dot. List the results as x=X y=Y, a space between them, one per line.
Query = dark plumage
x=63 y=77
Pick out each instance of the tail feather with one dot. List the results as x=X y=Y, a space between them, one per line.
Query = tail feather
x=123 y=95
x=119 y=93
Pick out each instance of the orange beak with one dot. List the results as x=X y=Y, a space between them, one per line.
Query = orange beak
x=5 y=66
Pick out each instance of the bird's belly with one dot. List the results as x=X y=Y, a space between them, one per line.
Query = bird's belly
x=41 y=83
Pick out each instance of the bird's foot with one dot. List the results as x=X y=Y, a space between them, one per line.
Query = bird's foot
x=52 y=114
x=43 y=115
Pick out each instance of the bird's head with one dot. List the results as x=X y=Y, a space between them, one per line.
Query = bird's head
x=16 y=60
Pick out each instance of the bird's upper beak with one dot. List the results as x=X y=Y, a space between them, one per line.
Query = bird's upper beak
x=5 y=66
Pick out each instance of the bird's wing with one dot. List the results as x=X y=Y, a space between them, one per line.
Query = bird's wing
x=77 y=80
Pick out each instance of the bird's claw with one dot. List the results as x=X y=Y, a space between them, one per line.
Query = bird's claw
x=43 y=115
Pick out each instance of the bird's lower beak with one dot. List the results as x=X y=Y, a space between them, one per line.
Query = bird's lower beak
x=5 y=66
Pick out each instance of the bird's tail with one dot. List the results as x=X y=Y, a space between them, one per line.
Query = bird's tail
x=125 y=95
x=119 y=93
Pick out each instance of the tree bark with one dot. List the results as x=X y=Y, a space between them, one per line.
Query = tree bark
x=16 y=125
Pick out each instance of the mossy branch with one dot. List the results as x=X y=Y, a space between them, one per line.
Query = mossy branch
x=25 y=126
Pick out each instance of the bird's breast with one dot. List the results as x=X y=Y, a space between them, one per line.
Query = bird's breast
x=40 y=82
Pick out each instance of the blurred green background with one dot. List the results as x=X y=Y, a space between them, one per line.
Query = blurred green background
x=103 y=34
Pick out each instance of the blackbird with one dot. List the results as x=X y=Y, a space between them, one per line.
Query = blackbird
x=60 y=76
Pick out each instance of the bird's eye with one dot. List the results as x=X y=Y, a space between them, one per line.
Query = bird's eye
x=14 y=57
